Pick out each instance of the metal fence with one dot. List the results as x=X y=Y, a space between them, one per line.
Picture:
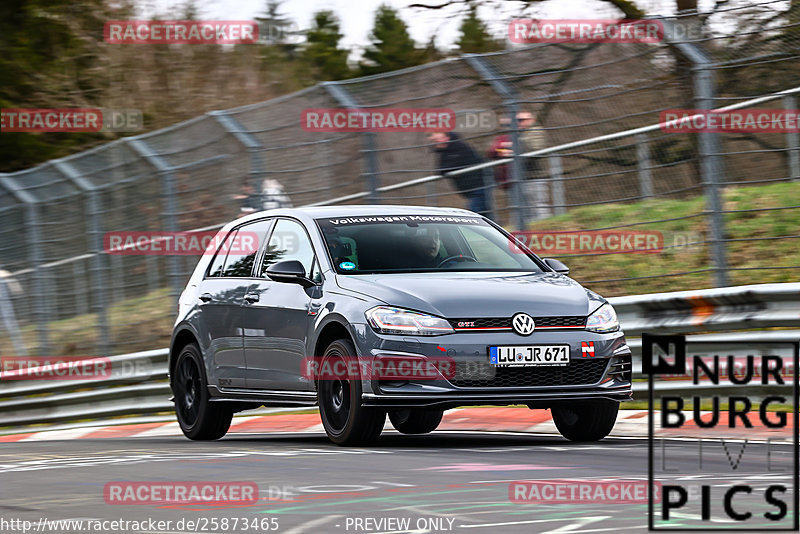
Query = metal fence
x=726 y=205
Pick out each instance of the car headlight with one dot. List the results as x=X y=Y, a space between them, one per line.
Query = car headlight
x=603 y=320
x=388 y=320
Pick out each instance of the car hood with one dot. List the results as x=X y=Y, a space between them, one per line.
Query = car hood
x=467 y=295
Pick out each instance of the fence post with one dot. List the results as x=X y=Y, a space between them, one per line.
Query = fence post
x=709 y=149
x=518 y=202
x=557 y=181
x=167 y=173
x=369 y=141
x=488 y=188
x=644 y=164
x=250 y=143
x=792 y=141
x=39 y=283
x=99 y=281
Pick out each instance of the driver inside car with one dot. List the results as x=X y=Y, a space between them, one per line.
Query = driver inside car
x=427 y=245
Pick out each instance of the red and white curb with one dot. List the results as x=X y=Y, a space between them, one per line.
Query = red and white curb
x=630 y=423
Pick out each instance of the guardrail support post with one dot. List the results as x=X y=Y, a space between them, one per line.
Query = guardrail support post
x=792 y=141
x=369 y=141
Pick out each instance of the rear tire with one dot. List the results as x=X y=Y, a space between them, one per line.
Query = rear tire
x=585 y=421
x=415 y=421
x=199 y=418
x=346 y=420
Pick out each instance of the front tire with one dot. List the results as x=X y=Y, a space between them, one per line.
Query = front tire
x=346 y=420
x=199 y=418
x=586 y=421
x=415 y=421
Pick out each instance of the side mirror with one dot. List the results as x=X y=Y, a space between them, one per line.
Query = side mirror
x=556 y=265
x=291 y=271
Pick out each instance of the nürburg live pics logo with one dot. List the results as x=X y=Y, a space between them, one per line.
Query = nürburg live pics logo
x=723 y=434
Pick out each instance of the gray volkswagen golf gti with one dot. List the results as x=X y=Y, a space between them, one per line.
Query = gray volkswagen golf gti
x=373 y=310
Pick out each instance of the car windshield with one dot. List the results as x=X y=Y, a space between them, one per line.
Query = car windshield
x=420 y=243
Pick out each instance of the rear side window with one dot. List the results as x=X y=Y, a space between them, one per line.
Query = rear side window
x=237 y=253
x=218 y=263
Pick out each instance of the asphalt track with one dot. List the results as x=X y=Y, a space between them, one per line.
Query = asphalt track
x=448 y=481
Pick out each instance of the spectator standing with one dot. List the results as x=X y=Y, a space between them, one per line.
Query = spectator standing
x=454 y=154
x=249 y=201
x=273 y=196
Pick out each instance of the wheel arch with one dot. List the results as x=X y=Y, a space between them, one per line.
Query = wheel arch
x=333 y=329
x=182 y=337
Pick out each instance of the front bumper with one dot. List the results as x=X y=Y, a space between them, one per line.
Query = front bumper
x=612 y=381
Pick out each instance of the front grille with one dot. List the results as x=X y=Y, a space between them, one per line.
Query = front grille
x=493 y=323
x=483 y=375
x=477 y=324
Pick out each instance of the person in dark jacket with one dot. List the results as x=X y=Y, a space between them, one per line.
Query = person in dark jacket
x=454 y=154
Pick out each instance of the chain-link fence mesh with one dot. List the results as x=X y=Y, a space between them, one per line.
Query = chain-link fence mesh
x=603 y=165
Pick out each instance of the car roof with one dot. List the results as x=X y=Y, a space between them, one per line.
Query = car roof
x=319 y=212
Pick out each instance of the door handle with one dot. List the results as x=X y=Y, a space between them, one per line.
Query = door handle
x=251 y=297
x=206 y=297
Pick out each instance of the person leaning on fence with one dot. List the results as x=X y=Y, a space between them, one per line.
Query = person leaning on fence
x=249 y=201
x=454 y=154
x=534 y=185
x=501 y=148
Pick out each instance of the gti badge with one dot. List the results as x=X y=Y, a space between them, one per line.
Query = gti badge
x=523 y=324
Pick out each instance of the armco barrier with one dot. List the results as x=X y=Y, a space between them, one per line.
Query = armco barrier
x=137 y=384
x=722 y=309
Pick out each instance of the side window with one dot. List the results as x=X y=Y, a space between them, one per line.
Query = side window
x=243 y=248
x=288 y=241
x=218 y=263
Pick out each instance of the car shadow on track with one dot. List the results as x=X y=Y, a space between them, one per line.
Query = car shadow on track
x=438 y=440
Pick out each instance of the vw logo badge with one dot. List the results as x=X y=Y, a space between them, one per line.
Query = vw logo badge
x=523 y=324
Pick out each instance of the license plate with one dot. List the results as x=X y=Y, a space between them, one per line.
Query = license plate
x=529 y=356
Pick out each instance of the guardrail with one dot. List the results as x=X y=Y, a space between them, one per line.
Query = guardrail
x=727 y=308
x=137 y=383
